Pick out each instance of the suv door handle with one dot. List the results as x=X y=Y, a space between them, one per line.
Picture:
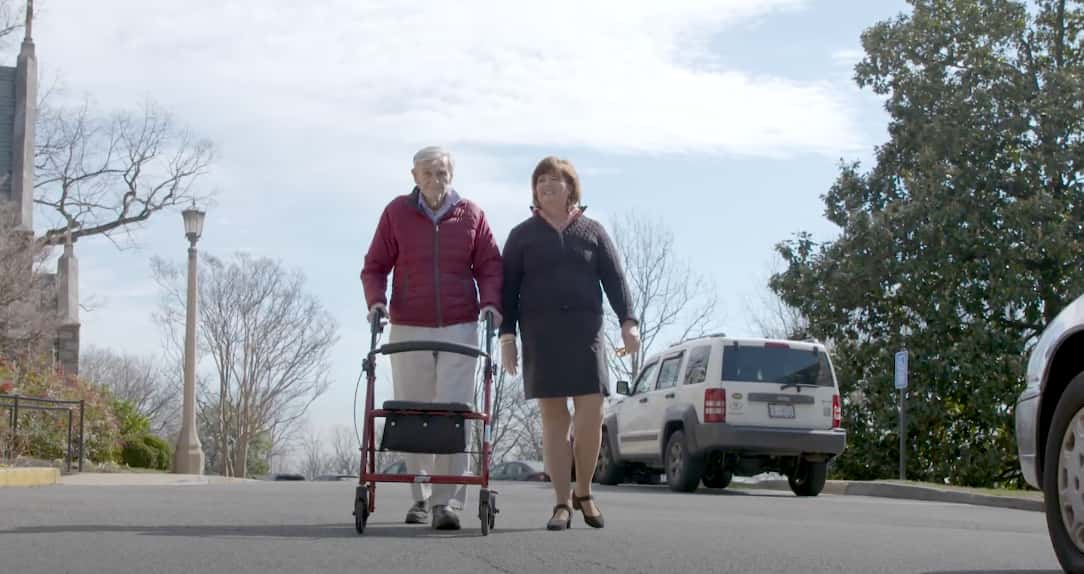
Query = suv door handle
x=669 y=395
x=643 y=399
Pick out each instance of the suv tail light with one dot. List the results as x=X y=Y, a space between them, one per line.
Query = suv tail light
x=837 y=412
x=715 y=405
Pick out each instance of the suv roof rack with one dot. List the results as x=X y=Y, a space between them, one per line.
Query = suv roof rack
x=698 y=337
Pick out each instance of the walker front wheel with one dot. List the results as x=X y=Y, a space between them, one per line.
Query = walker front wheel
x=487 y=510
x=361 y=508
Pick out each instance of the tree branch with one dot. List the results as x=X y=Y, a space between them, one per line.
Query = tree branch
x=101 y=176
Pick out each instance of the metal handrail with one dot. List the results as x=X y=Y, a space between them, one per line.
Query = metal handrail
x=11 y=402
x=39 y=400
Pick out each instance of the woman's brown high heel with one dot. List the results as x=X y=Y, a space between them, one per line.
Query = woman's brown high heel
x=592 y=521
x=558 y=524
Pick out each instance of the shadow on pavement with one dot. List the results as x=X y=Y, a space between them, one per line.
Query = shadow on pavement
x=407 y=531
x=309 y=531
x=665 y=490
x=996 y=572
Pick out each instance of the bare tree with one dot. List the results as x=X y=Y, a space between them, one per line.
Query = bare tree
x=508 y=399
x=667 y=294
x=12 y=17
x=285 y=437
x=525 y=420
x=142 y=381
x=28 y=317
x=777 y=320
x=345 y=453
x=344 y=456
x=268 y=339
x=505 y=394
x=772 y=317
x=98 y=176
x=314 y=461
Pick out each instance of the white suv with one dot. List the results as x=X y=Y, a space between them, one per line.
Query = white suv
x=709 y=408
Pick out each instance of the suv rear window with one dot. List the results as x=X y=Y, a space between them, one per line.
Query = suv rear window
x=776 y=364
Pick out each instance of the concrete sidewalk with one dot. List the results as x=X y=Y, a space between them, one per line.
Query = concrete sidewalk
x=146 y=479
x=1024 y=500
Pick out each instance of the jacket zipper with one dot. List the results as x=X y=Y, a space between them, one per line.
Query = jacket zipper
x=436 y=271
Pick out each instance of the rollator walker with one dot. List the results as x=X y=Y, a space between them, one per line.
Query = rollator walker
x=427 y=428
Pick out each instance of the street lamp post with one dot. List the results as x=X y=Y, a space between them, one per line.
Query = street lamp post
x=188 y=459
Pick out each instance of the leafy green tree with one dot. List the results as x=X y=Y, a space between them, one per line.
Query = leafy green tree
x=963 y=240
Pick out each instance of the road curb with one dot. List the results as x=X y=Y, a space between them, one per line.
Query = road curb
x=911 y=492
x=29 y=476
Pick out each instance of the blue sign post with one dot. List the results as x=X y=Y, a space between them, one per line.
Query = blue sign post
x=901 y=369
x=901 y=386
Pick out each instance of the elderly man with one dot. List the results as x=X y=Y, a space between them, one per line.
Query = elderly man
x=440 y=248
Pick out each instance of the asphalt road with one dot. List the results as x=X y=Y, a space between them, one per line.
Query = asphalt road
x=307 y=527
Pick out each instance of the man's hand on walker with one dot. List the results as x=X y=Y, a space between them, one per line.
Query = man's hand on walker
x=375 y=312
x=497 y=318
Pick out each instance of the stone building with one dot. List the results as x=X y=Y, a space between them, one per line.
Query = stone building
x=18 y=113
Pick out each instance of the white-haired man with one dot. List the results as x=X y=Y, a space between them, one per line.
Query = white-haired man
x=447 y=270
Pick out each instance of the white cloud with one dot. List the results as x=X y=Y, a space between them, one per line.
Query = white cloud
x=627 y=76
x=848 y=57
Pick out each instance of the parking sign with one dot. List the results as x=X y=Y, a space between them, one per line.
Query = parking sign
x=901 y=370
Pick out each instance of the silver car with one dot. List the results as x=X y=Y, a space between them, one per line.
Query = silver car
x=1050 y=431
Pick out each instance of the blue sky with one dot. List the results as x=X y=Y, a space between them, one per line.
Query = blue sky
x=724 y=119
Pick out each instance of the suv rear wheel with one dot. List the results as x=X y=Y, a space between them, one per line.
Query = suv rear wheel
x=683 y=469
x=607 y=470
x=807 y=478
x=717 y=477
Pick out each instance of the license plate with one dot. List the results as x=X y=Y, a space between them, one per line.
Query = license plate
x=781 y=411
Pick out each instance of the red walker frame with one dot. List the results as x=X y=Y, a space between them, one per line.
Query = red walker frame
x=365 y=494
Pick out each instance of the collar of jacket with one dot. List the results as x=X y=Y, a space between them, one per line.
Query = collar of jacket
x=535 y=210
x=416 y=201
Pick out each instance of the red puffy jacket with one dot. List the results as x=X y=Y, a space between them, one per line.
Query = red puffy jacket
x=436 y=265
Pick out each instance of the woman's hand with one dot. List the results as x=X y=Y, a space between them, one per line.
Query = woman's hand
x=509 y=354
x=630 y=335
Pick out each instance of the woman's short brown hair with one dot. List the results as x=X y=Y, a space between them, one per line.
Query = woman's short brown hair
x=555 y=165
